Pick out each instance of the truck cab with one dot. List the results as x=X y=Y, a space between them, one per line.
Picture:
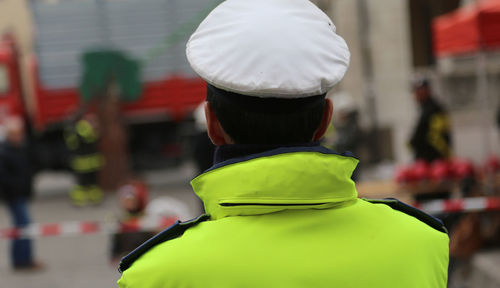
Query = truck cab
x=11 y=98
x=159 y=122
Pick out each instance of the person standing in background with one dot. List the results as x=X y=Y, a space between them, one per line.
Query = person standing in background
x=16 y=178
x=86 y=161
x=133 y=199
x=346 y=130
x=431 y=139
x=346 y=122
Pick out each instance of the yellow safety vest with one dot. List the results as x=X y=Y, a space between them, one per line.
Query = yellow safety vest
x=291 y=218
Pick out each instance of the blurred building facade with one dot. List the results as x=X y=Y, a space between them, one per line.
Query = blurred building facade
x=378 y=44
x=390 y=42
x=393 y=41
x=15 y=18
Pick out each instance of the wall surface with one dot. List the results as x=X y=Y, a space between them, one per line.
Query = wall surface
x=390 y=51
x=15 y=17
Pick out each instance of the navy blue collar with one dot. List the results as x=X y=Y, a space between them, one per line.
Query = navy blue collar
x=230 y=154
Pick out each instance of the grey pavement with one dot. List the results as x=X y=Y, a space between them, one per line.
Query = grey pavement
x=82 y=261
x=48 y=184
x=486 y=272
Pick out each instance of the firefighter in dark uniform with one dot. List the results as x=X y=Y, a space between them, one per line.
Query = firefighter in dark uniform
x=86 y=161
x=431 y=139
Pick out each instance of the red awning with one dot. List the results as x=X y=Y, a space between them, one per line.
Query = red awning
x=468 y=29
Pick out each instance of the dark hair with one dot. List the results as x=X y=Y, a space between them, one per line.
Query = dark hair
x=254 y=120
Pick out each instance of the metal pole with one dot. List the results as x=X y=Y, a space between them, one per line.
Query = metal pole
x=368 y=76
x=482 y=89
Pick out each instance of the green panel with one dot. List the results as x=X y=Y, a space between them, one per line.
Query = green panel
x=102 y=67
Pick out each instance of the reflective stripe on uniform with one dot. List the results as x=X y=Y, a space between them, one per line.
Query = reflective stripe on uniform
x=439 y=124
x=86 y=131
x=87 y=163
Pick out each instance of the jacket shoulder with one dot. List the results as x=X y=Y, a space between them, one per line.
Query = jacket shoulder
x=170 y=233
x=411 y=211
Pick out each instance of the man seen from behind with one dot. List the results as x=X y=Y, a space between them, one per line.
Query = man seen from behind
x=282 y=211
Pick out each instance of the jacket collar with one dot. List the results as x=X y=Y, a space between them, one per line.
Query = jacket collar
x=276 y=180
x=227 y=152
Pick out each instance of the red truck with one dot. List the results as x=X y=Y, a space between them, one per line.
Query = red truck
x=152 y=31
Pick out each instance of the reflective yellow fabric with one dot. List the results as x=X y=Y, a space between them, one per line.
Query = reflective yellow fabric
x=439 y=125
x=291 y=178
x=78 y=195
x=86 y=131
x=71 y=140
x=94 y=194
x=81 y=195
x=87 y=163
x=294 y=220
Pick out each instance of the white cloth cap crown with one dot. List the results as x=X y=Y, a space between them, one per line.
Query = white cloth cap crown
x=269 y=48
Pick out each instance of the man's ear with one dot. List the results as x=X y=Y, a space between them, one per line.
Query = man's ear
x=215 y=131
x=325 y=120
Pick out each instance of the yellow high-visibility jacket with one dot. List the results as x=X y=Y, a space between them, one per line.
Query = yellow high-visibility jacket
x=291 y=218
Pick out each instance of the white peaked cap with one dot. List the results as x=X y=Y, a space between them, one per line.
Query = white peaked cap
x=269 y=48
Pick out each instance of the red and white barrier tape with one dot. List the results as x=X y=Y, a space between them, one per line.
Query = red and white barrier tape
x=474 y=204
x=83 y=228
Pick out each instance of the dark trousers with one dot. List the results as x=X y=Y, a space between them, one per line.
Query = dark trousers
x=21 y=249
x=87 y=179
